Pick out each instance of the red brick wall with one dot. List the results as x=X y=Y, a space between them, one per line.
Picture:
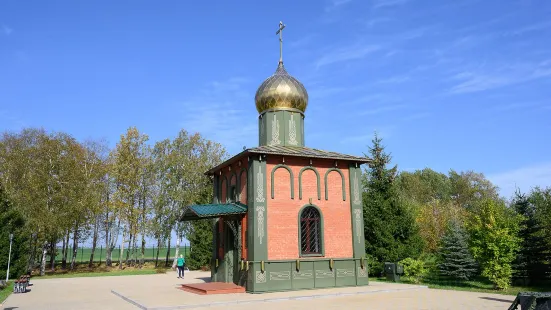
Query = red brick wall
x=242 y=191
x=283 y=212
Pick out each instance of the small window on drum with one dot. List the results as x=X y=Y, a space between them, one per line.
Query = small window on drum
x=310 y=232
x=233 y=194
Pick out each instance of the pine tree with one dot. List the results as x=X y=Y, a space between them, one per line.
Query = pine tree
x=457 y=261
x=391 y=233
x=200 y=240
x=12 y=222
x=530 y=262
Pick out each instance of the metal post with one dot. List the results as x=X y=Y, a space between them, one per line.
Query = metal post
x=9 y=259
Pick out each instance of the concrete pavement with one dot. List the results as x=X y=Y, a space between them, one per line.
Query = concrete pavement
x=160 y=292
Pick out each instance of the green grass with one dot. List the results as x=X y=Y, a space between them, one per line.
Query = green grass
x=82 y=270
x=4 y=293
x=83 y=254
x=472 y=286
x=107 y=273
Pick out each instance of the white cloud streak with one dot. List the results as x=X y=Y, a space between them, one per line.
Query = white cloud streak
x=349 y=53
x=388 y=3
x=523 y=178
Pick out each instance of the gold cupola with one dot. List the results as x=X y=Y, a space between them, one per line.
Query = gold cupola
x=281 y=101
x=281 y=91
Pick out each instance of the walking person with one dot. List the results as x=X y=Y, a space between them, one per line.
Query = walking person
x=181 y=262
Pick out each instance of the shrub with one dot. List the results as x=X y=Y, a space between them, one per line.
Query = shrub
x=414 y=269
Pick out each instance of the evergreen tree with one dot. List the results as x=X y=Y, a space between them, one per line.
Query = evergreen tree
x=391 y=233
x=200 y=240
x=530 y=262
x=12 y=222
x=457 y=261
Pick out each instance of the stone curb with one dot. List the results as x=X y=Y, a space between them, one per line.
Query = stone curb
x=235 y=302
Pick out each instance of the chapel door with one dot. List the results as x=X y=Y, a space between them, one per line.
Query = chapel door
x=231 y=258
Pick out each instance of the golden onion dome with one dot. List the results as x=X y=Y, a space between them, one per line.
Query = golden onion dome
x=281 y=91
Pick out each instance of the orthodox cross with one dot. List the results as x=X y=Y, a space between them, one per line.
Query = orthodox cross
x=280 y=32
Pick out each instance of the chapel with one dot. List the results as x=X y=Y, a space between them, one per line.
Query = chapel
x=286 y=216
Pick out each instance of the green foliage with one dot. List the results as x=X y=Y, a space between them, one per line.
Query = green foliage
x=11 y=221
x=414 y=269
x=390 y=230
x=375 y=268
x=457 y=260
x=201 y=244
x=531 y=262
x=494 y=242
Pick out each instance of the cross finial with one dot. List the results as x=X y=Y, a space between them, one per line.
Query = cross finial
x=280 y=32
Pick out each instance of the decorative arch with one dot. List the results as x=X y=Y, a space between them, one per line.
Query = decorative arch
x=305 y=231
x=240 y=175
x=233 y=175
x=292 y=177
x=223 y=181
x=343 y=184
x=300 y=181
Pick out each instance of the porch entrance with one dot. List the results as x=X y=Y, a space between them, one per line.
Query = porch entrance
x=226 y=258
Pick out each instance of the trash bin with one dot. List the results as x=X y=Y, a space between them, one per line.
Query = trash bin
x=391 y=272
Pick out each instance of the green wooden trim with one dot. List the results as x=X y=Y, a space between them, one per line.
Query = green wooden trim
x=292 y=177
x=343 y=183
x=300 y=181
x=322 y=228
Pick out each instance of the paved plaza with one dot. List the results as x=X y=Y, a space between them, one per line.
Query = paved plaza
x=160 y=292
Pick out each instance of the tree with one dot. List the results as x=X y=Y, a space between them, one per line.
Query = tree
x=127 y=170
x=200 y=238
x=391 y=233
x=493 y=232
x=12 y=222
x=532 y=262
x=457 y=261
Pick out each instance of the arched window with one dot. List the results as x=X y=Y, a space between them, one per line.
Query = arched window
x=310 y=231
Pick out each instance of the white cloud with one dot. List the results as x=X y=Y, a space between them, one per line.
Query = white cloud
x=383 y=3
x=346 y=54
x=523 y=178
x=7 y=30
x=481 y=80
x=219 y=114
x=333 y=4
x=383 y=109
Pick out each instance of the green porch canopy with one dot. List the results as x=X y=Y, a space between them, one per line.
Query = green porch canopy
x=198 y=212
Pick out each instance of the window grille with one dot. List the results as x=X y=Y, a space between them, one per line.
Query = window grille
x=310 y=231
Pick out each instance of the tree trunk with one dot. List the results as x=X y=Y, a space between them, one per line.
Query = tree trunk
x=75 y=247
x=178 y=239
x=158 y=249
x=142 y=259
x=52 y=254
x=32 y=256
x=43 y=261
x=107 y=240
x=129 y=246
x=65 y=250
x=94 y=242
x=168 y=250
x=121 y=252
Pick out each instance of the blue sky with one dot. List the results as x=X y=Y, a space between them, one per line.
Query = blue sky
x=448 y=84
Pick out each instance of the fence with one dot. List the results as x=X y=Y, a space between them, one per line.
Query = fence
x=150 y=253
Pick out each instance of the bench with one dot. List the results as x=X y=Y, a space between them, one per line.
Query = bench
x=20 y=286
x=532 y=301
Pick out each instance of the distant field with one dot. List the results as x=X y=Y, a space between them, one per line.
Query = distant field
x=99 y=255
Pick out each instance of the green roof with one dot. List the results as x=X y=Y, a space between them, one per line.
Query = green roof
x=298 y=151
x=197 y=212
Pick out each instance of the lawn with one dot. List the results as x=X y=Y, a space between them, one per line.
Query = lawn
x=4 y=293
x=82 y=270
x=472 y=286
